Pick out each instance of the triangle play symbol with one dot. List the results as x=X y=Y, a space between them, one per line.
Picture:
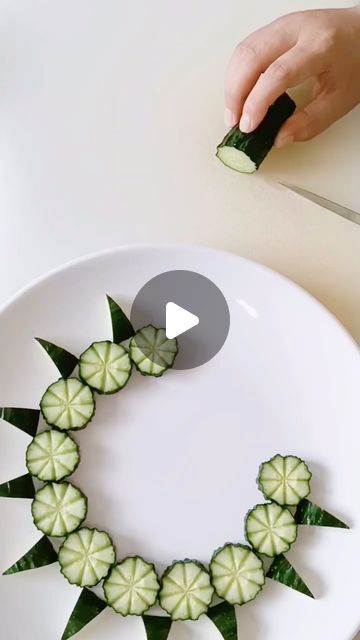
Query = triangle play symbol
x=179 y=320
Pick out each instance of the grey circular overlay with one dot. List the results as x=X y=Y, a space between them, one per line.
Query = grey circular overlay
x=198 y=295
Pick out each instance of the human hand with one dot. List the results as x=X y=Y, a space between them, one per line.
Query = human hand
x=324 y=44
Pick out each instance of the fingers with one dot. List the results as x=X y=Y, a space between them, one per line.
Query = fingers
x=290 y=69
x=313 y=119
x=250 y=59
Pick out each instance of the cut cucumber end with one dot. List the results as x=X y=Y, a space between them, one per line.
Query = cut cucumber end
x=235 y=159
x=131 y=587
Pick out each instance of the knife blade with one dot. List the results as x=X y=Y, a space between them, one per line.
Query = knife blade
x=342 y=211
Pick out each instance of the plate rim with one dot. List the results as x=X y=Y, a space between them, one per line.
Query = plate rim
x=166 y=246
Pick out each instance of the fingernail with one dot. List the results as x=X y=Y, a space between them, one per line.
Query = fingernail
x=284 y=140
x=229 y=118
x=245 y=123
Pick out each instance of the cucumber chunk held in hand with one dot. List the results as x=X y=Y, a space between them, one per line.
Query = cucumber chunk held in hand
x=245 y=152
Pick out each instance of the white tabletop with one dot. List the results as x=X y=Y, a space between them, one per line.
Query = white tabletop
x=109 y=116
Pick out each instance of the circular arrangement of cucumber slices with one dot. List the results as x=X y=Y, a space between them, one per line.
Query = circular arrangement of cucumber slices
x=86 y=557
x=105 y=366
x=152 y=352
x=132 y=587
x=68 y=404
x=186 y=591
x=237 y=573
x=58 y=509
x=285 y=480
x=52 y=456
x=270 y=529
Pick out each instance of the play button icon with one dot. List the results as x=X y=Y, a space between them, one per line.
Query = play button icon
x=178 y=320
x=191 y=308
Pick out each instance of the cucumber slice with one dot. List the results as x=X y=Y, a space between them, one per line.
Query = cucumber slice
x=270 y=529
x=157 y=627
x=105 y=366
x=58 y=509
x=245 y=152
x=224 y=618
x=152 y=352
x=131 y=587
x=40 y=555
x=284 y=479
x=237 y=574
x=68 y=404
x=21 y=487
x=309 y=513
x=282 y=571
x=52 y=456
x=121 y=325
x=86 y=556
x=88 y=607
x=26 y=420
x=62 y=359
x=186 y=591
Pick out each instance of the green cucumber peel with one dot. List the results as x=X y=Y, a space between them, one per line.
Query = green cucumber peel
x=224 y=618
x=87 y=607
x=26 y=420
x=311 y=514
x=282 y=571
x=121 y=325
x=21 y=487
x=62 y=359
x=40 y=555
x=157 y=627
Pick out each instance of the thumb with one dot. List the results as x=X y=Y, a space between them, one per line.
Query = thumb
x=317 y=116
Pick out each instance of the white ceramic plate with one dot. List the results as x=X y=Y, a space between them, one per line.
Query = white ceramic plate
x=170 y=465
